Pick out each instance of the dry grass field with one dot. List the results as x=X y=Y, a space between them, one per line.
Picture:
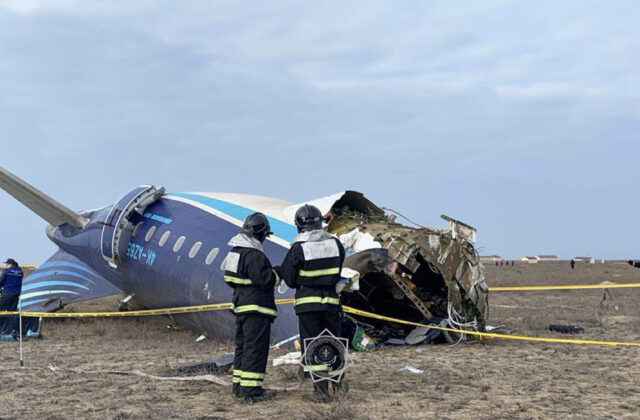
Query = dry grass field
x=480 y=380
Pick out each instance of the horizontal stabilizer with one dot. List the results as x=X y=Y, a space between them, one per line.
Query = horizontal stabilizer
x=44 y=206
x=63 y=279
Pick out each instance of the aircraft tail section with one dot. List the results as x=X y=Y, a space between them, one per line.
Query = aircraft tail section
x=44 y=206
x=61 y=280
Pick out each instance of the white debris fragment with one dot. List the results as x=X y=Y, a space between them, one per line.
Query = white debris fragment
x=293 y=358
x=201 y=338
x=411 y=369
x=490 y=328
x=357 y=241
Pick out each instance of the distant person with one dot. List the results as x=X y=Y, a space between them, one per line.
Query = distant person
x=248 y=271
x=573 y=264
x=635 y=264
x=11 y=286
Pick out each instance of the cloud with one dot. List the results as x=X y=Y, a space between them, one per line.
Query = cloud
x=423 y=106
x=550 y=90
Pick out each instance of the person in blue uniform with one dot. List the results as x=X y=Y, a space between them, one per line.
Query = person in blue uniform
x=11 y=286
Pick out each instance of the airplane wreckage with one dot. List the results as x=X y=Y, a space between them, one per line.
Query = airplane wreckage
x=164 y=250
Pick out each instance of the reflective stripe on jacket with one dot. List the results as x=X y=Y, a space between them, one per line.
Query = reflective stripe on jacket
x=312 y=266
x=248 y=271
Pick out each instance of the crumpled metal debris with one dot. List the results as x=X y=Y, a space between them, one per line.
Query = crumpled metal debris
x=217 y=366
x=415 y=274
x=566 y=329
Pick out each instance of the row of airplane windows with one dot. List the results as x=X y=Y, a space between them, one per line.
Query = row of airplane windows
x=211 y=256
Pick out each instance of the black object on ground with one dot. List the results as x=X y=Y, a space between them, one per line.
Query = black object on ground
x=218 y=366
x=566 y=329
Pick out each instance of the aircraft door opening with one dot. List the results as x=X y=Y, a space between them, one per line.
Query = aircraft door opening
x=117 y=227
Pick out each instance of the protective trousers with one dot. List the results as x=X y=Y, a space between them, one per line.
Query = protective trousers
x=311 y=325
x=9 y=302
x=252 y=350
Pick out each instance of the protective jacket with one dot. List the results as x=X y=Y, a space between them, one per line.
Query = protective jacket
x=312 y=266
x=248 y=271
x=11 y=280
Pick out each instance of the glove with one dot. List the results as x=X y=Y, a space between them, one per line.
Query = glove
x=341 y=285
x=351 y=279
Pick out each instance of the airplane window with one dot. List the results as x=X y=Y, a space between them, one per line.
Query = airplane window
x=164 y=238
x=136 y=229
x=178 y=244
x=150 y=233
x=211 y=256
x=194 y=249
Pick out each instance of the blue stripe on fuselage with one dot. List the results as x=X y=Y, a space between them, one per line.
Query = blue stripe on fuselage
x=53 y=283
x=281 y=229
x=39 y=274
x=67 y=264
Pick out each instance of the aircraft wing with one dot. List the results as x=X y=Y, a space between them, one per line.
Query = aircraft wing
x=44 y=206
x=61 y=280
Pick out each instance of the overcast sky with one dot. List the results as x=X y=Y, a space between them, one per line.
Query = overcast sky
x=520 y=118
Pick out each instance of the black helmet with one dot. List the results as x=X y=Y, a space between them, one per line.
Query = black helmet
x=308 y=218
x=257 y=226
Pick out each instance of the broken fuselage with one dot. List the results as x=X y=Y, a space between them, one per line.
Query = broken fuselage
x=414 y=274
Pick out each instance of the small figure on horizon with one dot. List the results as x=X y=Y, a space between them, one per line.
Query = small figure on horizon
x=573 y=263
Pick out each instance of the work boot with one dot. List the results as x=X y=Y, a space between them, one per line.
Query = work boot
x=266 y=395
x=317 y=397
x=341 y=388
x=320 y=393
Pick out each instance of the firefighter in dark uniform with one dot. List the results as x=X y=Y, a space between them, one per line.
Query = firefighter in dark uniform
x=633 y=263
x=312 y=266
x=248 y=271
x=11 y=286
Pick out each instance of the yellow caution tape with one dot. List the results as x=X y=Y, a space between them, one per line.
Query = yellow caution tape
x=221 y=306
x=564 y=287
x=145 y=312
x=491 y=335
